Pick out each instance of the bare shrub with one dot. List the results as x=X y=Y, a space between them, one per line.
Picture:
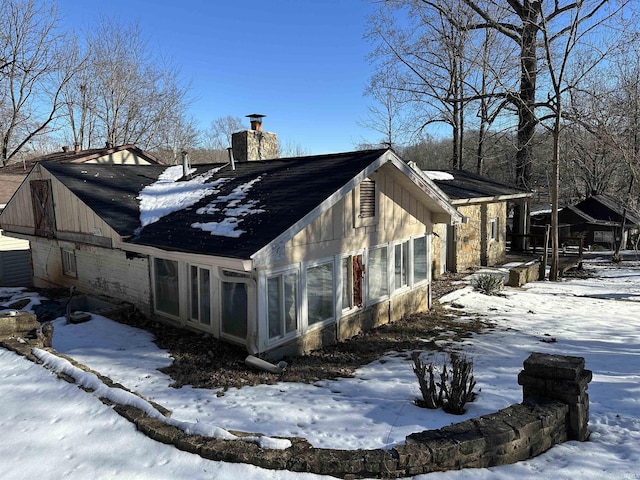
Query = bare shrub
x=460 y=388
x=454 y=388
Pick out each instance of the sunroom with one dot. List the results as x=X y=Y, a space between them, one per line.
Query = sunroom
x=298 y=307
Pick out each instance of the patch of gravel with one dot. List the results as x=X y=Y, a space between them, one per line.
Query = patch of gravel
x=203 y=361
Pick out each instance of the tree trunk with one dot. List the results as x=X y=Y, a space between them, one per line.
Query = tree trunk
x=527 y=120
x=555 y=197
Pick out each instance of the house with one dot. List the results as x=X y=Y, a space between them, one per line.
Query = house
x=127 y=154
x=280 y=256
x=482 y=239
x=15 y=258
x=597 y=220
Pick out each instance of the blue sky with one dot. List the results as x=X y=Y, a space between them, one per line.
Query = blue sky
x=300 y=62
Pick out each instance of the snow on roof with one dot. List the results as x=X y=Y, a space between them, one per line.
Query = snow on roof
x=437 y=175
x=166 y=195
x=234 y=208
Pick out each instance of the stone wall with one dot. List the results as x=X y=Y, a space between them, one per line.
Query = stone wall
x=554 y=409
x=473 y=243
x=522 y=274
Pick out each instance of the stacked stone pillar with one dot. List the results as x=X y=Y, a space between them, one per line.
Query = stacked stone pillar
x=563 y=378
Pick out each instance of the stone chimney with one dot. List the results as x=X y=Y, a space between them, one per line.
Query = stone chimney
x=254 y=144
x=76 y=148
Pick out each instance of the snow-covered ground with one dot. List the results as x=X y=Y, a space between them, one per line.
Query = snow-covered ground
x=53 y=429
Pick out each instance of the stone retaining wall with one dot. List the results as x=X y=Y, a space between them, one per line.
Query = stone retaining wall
x=555 y=408
x=522 y=274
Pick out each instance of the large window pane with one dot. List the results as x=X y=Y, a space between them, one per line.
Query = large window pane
x=290 y=302
x=274 y=306
x=200 y=295
x=419 y=259
x=193 y=277
x=401 y=255
x=320 y=293
x=378 y=280
x=282 y=304
x=166 y=286
x=234 y=309
x=347 y=287
x=205 y=297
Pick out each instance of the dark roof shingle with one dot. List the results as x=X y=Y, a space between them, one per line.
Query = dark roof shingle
x=288 y=190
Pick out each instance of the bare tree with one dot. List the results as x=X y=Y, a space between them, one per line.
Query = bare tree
x=564 y=34
x=387 y=115
x=125 y=94
x=424 y=62
x=33 y=72
x=218 y=135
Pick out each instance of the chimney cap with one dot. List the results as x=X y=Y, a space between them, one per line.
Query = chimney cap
x=255 y=116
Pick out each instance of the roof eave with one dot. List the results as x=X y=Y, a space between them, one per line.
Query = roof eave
x=490 y=199
x=244 y=265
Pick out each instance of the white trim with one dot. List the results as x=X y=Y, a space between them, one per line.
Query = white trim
x=212 y=313
x=305 y=267
x=263 y=302
x=368 y=299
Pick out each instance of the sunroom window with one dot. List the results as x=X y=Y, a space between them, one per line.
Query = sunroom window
x=234 y=309
x=320 y=303
x=200 y=294
x=420 y=263
x=166 y=286
x=282 y=304
x=377 y=273
x=401 y=265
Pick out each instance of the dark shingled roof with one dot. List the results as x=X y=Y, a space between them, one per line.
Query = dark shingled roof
x=466 y=186
x=608 y=208
x=288 y=190
x=111 y=191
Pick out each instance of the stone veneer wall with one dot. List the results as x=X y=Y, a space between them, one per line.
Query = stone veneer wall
x=555 y=409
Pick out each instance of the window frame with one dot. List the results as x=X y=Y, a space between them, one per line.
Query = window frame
x=156 y=296
x=198 y=321
x=341 y=287
x=281 y=274
x=406 y=265
x=427 y=265
x=494 y=232
x=334 y=306
x=69 y=263
x=370 y=299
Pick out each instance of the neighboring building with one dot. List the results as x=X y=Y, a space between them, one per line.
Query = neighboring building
x=597 y=220
x=482 y=239
x=281 y=256
x=127 y=154
x=15 y=258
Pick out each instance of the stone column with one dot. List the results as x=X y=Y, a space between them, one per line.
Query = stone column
x=559 y=377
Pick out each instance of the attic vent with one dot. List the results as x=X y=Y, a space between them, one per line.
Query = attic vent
x=368 y=199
